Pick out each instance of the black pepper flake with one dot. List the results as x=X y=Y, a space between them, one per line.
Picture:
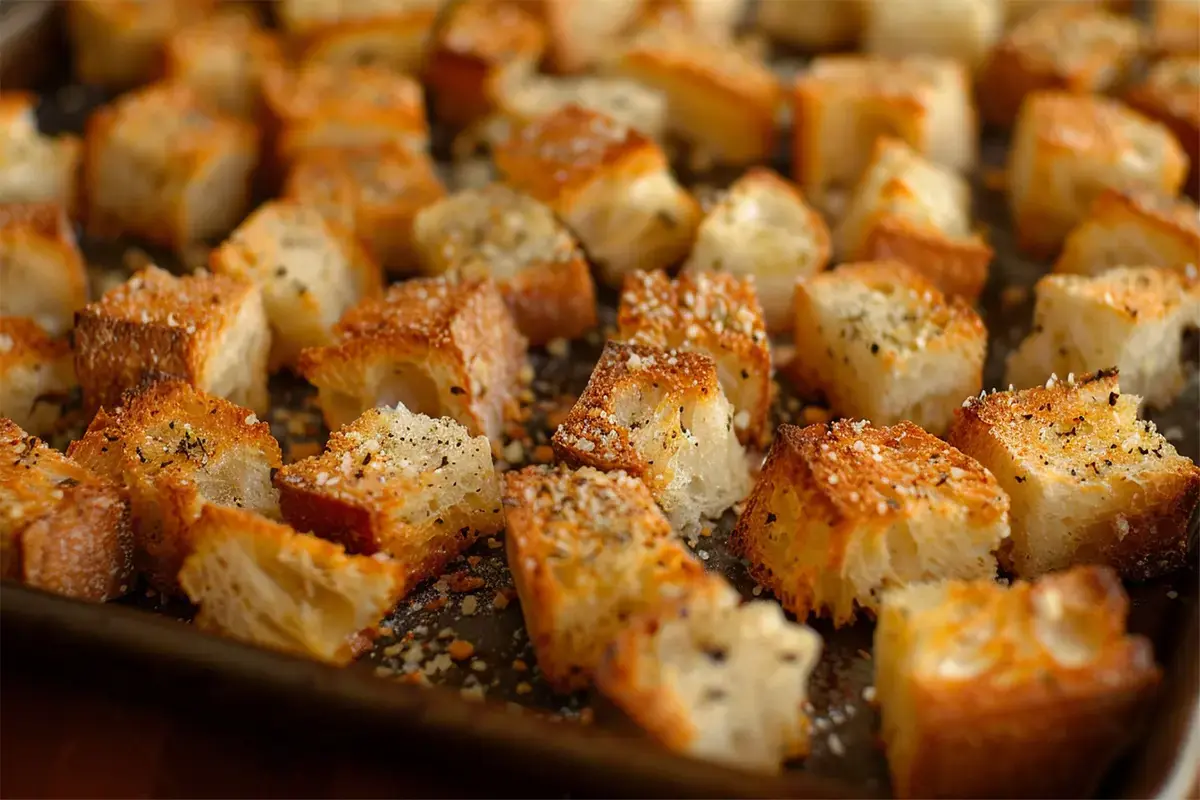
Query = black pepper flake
x=1112 y=398
x=745 y=374
x=874 y=348
x=366 y=459
x=457 y=390
x=1020 y=479
x=771 y=518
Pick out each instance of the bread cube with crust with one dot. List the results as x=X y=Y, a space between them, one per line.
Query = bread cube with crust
x=581 y=33
x=882 y=343
x=37 y=375
x=510 y=237
x=438 y=347
x=1124 y=228
x=523 y=98
x=390 y=34
x=909 y=209
x=610 y=184
x=1090 y=482
x=1169 y=95
x=158 y=164
x=1067 y=149
x=264 y=583
x=660 y=415
x=419 y=489
x=42 y=273
x=65 y=529
x=1023 y=691
x=589 y=550
x=964 y=30
x=1176 y=29
x=762 y=227
x=714 y=314
x=813 y=25
x=309 y=271
x=210 y=330
x=35 y=168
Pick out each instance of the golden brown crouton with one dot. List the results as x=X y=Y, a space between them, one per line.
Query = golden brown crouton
x=35 y=168
x=1028 y=691
x=264 y=583
x=1124 y=228
x=64 y=529
x=814 y=24
x=209 y=330
x=37 y=374
x=964 y=30
x=1169 y=95
x=390 y=34
x=1090 y=483
x=1177 y=27
x=1017 y=11
x=582 y=32
x=42 y=274
x=843 y=511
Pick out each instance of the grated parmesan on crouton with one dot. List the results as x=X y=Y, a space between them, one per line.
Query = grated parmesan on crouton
x=1125 y=228
x=37 y=375
x=42 y=273
x=35 y=168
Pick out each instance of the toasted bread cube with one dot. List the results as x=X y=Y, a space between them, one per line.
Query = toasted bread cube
x=421 y=490
x=714 y=314
x=588 y=550
x=1017 y=11
x=660 y=415
x=436 y=346
x=1067 y=149
x=209 y=330
x=64 y=529
x=844 y=103
x=716 y=680
x=1177 y=27
x=35 y=168
x=512 y=238
x=763 y=228
x=964 y=30
x=310 y=272
x=37 y=375
x=1028 y=691
x=264 y=583
x=1132 y=228
x=119 y=44
x=814 y=24
x=609 y=183
x=1090 y=483
x=1169 y=95
x=42 y=274
x=917 y=212
x=582 y=32
x=390 y=34
x=159 y=165
x=177 y=450
x=714 y=20
x=374 y=192
x=882 y=343
x=521 y=99
x=842 y=512
x=721 y=102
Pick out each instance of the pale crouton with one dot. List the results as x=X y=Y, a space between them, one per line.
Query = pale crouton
x=42 y=274
x=609 y=183
x=264 y=583
x=1067 y=149
x=911 y=210
x=716 y=680
x=1177 y=27
x=209 y=330
x=844 y=103
x=159 y=165
x=35 y=168
x=660 y=415
x=390 y=34
x=1090 y=483
x=309 y=271
x=1028 y=691
x=374 y=192
x=1132 y=228
x=762 y=227
x=64 y=529
x=582 y=32
x=177 y=450
x=419 y=489
x=882 y=343
x=37 y=375
x=512 y=238
x=520 y=99
x=714 y=314
x=224 y=59
x=814 y=24
x=436 y=346
x=588 y=550
x=964 y=30
x=844 y=511
x=1171 y=94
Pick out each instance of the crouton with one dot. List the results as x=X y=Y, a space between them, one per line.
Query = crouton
x=374 y=192
x=1067 y=149
x=1168 y=95
x=763 y=227
x=264 y=583
x=1177 y=27
x=582 y=32
x=714 y=20
x=660 y=415
x=610 y=184
x=209 y=330
x=35 y=168
x=1090 y=483
x=436 y=346
x=159 y=165
x=309 y=271
x=512 y=238
x=18 y=115
x=813 y=25
x=176 y=450
x=716 y=680
x=882 y=343
x=911 y=210
x=42 y=274
x=1016 y=11
x=714 y=314
x=521 y=99
x=37 y=375
x=421 y=490
x=390 y=34
x=1132 y=228
x=842 y=512
x=844 y=103
x=65 y=529
x=1028 y=691
x=588 y=550
x=964 y=30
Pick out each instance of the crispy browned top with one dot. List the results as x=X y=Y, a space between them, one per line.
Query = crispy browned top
x=1088 y=123
x=670 y=50
x=1179 y=213
x=304 y=92
x=491 y=32
x=195 y=303
x=47 y=220
x=691 y=311
x=388 y=175
x=1138 y=294
x=419 y=310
